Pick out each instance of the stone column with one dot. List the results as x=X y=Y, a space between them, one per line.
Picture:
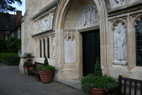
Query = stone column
x=42 y=47
x=46 y=46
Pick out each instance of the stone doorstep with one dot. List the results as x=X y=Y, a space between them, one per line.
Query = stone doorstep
x=71 y=83
x=75 y=84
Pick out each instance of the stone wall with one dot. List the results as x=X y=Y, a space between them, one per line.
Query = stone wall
x=116 y=20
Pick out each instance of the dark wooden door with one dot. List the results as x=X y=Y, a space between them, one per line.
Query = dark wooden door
x=91 y=50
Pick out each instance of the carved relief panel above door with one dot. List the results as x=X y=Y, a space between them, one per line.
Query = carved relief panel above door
x=88 y=17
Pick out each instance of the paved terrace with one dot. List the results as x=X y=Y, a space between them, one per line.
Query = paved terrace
x=13 y=83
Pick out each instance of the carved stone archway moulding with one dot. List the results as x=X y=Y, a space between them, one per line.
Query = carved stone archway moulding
x=59 y=29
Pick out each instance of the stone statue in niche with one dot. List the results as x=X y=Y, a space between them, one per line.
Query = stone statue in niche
x=54 y=47
x=69 y=48
x=117 y=2
x=120 y=43
x=88 y=17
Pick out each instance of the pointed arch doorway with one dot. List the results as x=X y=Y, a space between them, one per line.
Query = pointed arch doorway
x=88 y=23
x=74 y=20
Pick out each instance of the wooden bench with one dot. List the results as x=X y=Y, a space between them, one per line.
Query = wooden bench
x=128 y=86
x=32 y=70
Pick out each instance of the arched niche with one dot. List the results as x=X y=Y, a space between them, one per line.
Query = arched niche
x=120 y=43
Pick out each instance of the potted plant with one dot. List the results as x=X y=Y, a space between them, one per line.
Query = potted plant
x=28 y=65
x=28 y=60
x=46 y=72
x=97 y=84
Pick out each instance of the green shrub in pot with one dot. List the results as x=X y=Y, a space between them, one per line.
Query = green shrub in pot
x=46 y=72
x=92 y=81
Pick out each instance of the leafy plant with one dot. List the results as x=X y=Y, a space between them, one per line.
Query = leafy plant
x=92 y=81
x=46 y=67
x=28 y=57
x=46 y=62
x=97 y=69
x=9 y=58
x=11 y=45
x=12 y=60
x=2 y=46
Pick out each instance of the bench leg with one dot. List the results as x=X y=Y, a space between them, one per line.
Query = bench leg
x=39 y=77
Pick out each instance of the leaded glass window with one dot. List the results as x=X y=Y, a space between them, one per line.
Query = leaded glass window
x=48 y=48
x=40 y=48
x=44 y=48
x=139 y=42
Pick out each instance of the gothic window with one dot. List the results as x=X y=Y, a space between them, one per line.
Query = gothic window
x=139 y=42
x=40 y=48
x=48 y=48
x=44 y=48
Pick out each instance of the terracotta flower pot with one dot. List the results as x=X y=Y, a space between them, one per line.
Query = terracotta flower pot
x=46 y=77
x=31 y=68
x=97 y=91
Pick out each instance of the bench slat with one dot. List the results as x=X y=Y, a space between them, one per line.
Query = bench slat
x=120 y=84
x=141 y=89
x=130 y=83
x=125 y=87
x=135 y=92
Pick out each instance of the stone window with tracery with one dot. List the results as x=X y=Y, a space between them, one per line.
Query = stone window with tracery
x=138 y=28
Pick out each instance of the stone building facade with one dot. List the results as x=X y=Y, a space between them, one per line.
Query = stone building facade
x=73 y=34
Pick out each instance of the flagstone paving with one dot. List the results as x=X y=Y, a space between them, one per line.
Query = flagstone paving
x=14 y=83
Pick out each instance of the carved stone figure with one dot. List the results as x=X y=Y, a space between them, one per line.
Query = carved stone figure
x=46 y=20
x=45 y=23
x=54 y=47
x=88 y=17
x=117 y=2
x=120 y=43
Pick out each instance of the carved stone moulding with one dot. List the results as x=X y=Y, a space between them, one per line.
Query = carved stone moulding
x=69 y=35
x=88 y=17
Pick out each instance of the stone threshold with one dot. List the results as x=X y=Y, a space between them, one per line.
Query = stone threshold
x=71 y=83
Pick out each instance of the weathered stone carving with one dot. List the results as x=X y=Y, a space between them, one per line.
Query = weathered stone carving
x=69 y=47
x=54 y=47
x=120 y=43
x=116 y=3
x=88 y=17
x=45 y=23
